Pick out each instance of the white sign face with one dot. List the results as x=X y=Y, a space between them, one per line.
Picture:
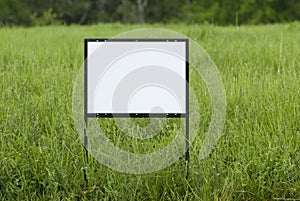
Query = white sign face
x=136 y=76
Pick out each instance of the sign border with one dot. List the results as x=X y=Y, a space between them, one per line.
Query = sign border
x=135 y=115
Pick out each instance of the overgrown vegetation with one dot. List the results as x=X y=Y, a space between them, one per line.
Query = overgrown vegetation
x=258 y=157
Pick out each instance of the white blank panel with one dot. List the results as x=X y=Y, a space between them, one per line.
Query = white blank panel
x=136 y=77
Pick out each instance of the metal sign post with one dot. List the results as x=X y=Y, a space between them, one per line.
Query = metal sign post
x=99 y=108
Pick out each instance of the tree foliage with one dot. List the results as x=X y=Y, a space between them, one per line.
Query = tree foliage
x=221 y=12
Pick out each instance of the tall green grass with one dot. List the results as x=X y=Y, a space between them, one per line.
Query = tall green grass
x=257 y=158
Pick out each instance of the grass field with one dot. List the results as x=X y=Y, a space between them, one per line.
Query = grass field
x=257 y=158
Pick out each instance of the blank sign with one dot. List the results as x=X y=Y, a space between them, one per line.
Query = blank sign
x=136 y=76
